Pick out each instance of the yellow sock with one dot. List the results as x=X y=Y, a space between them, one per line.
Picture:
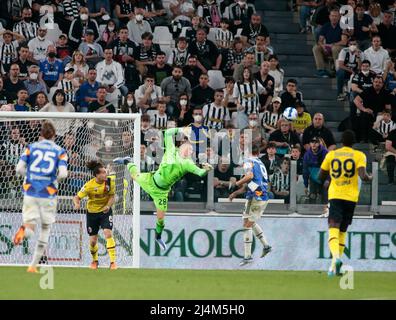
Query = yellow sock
x=334 y=244
x=110 y=245
x=94 y=251
x=342 y=238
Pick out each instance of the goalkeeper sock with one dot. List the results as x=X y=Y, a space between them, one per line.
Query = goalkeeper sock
x=342 y=238
x=160 y=225
x=334 y=245
x=94 y=251
x=259 y=233
x=248 y=239
x=42 y=243
x=110 y=245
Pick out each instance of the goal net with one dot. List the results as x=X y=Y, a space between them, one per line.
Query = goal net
x=84 y=137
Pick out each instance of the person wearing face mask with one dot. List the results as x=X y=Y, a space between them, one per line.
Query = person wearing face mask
x=138 y=26
x=33 y=85
x=80 y=25
x=38 y=45
x=183 y=112
x=109 y=34
x=129 y=105
x=199 y=137
x=26 y=26
x=349 y=61
x=51 y=68
x=258 y=132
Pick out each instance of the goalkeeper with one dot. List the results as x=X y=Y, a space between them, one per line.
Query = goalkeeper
x=175 y=163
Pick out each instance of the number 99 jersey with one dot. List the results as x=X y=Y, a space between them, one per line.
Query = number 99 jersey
x=343 y=165
x=43 y=160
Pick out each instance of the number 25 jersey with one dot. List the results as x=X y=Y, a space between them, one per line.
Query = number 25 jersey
x=43 y=160
x=343 y=165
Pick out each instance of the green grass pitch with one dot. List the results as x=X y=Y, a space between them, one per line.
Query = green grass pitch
x=153 y=284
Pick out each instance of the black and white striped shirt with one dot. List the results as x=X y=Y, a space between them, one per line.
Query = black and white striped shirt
x=248 y=95
x=26 y=29
x=280 y=181
x=224 y=38
x=178 y=58
x=8 y=53
x=270 y=118
x=385 y=128
x=71 y=8
x=68 y=87
x=159 y=121
x=215 y=116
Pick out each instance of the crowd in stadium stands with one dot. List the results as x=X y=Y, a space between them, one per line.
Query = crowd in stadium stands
x=208 y=64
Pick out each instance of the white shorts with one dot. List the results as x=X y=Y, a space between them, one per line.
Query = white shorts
x=254 y=209
x=42 y=209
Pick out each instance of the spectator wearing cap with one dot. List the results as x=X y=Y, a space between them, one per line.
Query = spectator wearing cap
x=138 y=26
x=33 y=84
x=377 y=55
x=284 y=137
x=331 y=40
x=303 y=119
x=268 y=82
x=269 y=118
x=88 y=89
x=51 y=69
x=63 y=51
x=92 y=51
x=291 y=96
x=318 y=129
x=387 y=32
x=312 y=161
x=8 y=48
x=69 y=85
x=80 y=25
x=38 y=46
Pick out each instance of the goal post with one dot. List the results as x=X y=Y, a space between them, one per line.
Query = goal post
x=84 y=136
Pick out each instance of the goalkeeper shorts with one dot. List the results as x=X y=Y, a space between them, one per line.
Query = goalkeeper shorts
x=42 y=209
x=159 y=195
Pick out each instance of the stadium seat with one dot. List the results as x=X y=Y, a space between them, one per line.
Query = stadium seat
x=53 y=34
x=216 y=79
x=162 y=35
x=212 y=34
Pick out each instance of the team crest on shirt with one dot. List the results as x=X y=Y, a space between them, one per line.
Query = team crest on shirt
x=96 y=189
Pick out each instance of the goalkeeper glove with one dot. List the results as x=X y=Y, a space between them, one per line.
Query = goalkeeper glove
x=123 y=160
x=207 y=166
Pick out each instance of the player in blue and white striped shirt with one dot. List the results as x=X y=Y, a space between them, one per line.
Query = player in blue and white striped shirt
x=43 y=164
x=255 y=181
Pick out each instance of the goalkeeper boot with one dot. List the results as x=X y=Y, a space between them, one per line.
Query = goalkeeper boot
x=160 y=242
x=31 y=269
x=123 y=160
x=338 y=266
x=94 y=265
x=266 y=250
x=246 y=261
x=19 y=236
x=113 y=266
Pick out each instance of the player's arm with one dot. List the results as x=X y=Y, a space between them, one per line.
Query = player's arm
x=168 y=139
x=361 y=164
x=246 y=179
x=80 y=195
x=325 y=167
x=238 y=192
x=194 y=169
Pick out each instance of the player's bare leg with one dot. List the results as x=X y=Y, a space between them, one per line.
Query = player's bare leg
x=93 y=248
x=160 y=225
x=111 y=248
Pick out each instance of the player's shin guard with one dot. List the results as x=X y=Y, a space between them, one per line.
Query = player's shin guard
x=110 y=245
x=94 y=251
x=160 y=225
x=334 y=244
x=248 y=239
x=259 y=233
x=42 y=243
x=342 y=239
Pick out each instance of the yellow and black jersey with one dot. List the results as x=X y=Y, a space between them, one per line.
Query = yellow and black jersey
x=343 y=165
x=98 y=194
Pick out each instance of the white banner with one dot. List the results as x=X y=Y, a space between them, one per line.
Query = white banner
x=209 y=242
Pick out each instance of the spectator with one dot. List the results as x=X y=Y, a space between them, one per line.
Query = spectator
x=182 y=11
x=63 y=50
x=258 y=133
x=98 y=8
x=370 y=102
x=313 y=159
x=234 y=57
x=101 y=105
x=284 y=137
x=22 y=104
x=375 y=13
x=268 y=82
x=183 y=111
x=138 y=26
x=129 y=105
x=78 y=63
x=363 y=25
x=124 y=11
x=229 y=100
x=92 y=51
x=253 y=29
x=387 y=32
x=247 y=62
x=180 y=55
x=12 y=85
x=302 y=121
x=146 y=53
x=317 y=129
x=322 y=14
x=173 y=86
x=40 y=101
x=295 y=155
x=191 y=72
x=260 y=49
x=223 y=178
x=154 y=12
x=291 y=97
x=202 y=93
x=33 y=84
x=38 y=46
x=306 y=8
x=240 y=13
x=23 y=62
x=210 y=13
x=199 y=133
x=271 y=116
x=67 y=11
x=51 y=69
x=197 y=24
x=87 y=91
x=26 y=27
x=280 y=182
x=271 y=160
x=224 y=37
x=277 y=73
x=206 y=51
x=247 y=92
x=109 y=34
x=148 y=94
x=80 y=25
x=215 y=114
x=382 y=127
x=5 y=96
x=160 y=69
x=377 y=55
x=390 y=147
x=69 y=85
x=349 y=61
x=159 y=118
x=8 y=48
x=389 y=77
x=58 y=103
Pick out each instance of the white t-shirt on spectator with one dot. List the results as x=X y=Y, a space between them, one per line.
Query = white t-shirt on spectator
x=378 y=59
x=184 y=8
x=155 y=94
x=39 y=48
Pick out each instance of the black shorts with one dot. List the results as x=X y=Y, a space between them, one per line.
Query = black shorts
x=341 y=211
x=99 y=220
